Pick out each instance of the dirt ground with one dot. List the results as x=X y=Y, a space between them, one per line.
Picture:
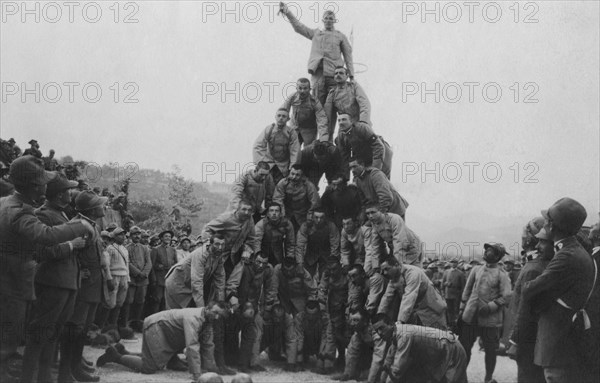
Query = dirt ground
x=506 y=370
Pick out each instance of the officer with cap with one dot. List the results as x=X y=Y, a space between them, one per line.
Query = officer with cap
x=20 y=234
x=56 y=283
x=567 y=281
x=34 y=150
x=94 y=271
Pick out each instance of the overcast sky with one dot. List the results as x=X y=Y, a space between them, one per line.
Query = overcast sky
x=207 y=80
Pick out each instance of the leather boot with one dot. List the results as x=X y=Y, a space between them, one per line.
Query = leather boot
x=64 y=366
x=76 y=371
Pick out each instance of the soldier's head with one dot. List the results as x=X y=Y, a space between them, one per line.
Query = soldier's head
x=357 y=274
x=373 y=213
x=185 y=243
x=545 y=246
x=391 y=268
x=334 y=267
x=90 y=204
x=59 y=190
x=303 y=88
x=165 y=237
x=383 y=326
x=344 y=121
x=358 y=318
x=145 y=237
x=260 y=262
x=319 y=217
x=282 y=117
x=261 y=171
x=340 y=75
x=218 y=309
x=244 y=211
x=118 y=235
x=350 y=225
x=357 y=167
x=274 y=212
x=135 y=234
x=528 y=239
x=51 y=153
x=564 y=218
x=493 y=252
x=509 y=265
x=217 y=243
x=329 y=19
x=339 y=182
x=296 y=173
x=29 y=177
x=320 y=151
x=594 y=235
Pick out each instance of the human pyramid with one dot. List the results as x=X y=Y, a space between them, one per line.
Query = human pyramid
x=304 y=276
x=335 y=283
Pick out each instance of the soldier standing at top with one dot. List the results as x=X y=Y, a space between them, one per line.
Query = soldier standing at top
x=328 y=46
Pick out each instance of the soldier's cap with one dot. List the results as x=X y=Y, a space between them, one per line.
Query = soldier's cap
x=567 y=214
x=87 y=200
x=11 y=140
x=166 y=232
x=111 y=226
x=58 y=184
x=535 y=225
x=185 y=239
x=32 y=142
x=432 y=266
x=474 y=262
x=29 y=170
x=135 y=230
x=500 y=249
x=105 y=233
x=543 y=234
x=117 y=231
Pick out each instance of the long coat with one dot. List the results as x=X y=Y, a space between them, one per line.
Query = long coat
x=485 y=284
x=568 y=277
x=58 y=265
x=163 y=258
x=20 y=234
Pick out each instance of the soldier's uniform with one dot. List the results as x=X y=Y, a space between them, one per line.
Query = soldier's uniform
x=279 y=147
x=296 y=199
x=308 y=118
x=162 y=258
x=453 y=282
x=359 y=141
x=352 y=247
x=276 y=239
x=392 y=236
x=333 y=296
x=20 y=234
x=56 y=284
x=248 y=284
x=315 y=244
x=140 y=266
x=293 y=289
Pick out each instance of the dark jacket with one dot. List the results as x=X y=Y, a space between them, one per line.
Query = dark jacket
x=58 y=265
x=341 y=203
x=162 y=258
x=275 y=239
x=20 y=234
x=568 y=277
x=314 y=170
